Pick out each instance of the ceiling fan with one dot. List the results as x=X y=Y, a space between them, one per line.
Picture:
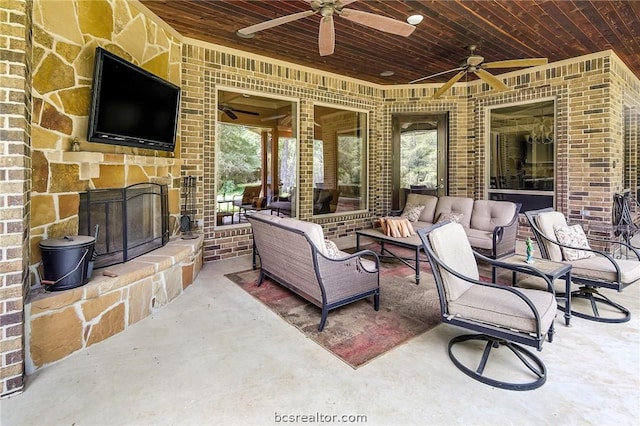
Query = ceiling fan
x=476 y=64
x=328 y=9
x=231 y=112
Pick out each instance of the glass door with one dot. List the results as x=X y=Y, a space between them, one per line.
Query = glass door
x=419 y=155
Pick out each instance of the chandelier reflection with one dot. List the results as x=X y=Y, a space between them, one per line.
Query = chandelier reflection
x=541 y=131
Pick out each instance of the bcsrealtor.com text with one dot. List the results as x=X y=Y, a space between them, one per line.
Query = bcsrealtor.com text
x=318 y=418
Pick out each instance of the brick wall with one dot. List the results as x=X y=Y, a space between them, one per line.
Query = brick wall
x=205 y=70
x=15 y=184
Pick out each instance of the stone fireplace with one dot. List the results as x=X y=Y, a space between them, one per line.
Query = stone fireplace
x=130 y=221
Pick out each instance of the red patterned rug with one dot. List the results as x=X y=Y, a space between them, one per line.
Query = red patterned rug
x=356 y=333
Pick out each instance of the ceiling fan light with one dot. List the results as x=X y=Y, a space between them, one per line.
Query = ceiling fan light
x=386 y=73
x=243 y=35
x=415 y=19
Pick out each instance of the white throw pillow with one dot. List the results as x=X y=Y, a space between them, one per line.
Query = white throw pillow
x=412 y=212
x=573 y=236
x=332 y=249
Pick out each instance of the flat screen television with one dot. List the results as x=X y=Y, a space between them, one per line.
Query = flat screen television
x=130 y=106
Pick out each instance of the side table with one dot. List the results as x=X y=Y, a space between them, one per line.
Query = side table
x=552 y=270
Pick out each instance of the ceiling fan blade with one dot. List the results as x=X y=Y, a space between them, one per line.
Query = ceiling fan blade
x=448 y=84
x=491 y=80
x=230 y=114
x=436 y=74
x=275 y=22
x=381 y=23
x=273 y=117
x=516 y=63
x=326 y=36
x=244 y=112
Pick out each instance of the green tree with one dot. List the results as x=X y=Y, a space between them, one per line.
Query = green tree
x=239 y=160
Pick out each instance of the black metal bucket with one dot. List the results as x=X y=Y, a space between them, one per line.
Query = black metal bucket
x=66 y=262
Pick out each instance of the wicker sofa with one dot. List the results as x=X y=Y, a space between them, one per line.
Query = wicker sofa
x=491 y=226
x=295 y=254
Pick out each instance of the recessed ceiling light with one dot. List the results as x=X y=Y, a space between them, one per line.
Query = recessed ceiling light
x=387 y=73
x=415 y=19
x=239 y=34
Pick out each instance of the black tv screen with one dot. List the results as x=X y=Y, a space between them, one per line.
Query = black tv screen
x=131 y=106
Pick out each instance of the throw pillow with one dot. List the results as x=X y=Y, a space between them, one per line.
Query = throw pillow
x=450 y=217
x=412 y=212
x=573 y=236
x=331 y=249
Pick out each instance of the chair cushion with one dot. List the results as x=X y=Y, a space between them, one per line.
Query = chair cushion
x=487 y=214
x=573 y=236
x=600 y=268
x=546 y=221
x=451 y=246
x=502 y=308
x=462 y=205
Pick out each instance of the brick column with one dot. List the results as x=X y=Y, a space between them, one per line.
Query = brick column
x=15 y=184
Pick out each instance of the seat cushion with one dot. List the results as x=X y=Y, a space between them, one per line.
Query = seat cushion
x=480 y=239
x=494 y=306
x=601 y=268
x=546 y=221
x=450 y=244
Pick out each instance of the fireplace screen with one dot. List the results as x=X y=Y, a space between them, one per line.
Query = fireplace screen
x=131 y=221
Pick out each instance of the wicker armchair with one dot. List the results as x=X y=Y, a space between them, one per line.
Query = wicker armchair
x=294 y=254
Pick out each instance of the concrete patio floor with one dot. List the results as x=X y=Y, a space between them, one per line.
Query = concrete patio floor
x=216 y=356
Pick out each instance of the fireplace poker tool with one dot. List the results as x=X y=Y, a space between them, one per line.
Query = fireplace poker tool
x=189 y=184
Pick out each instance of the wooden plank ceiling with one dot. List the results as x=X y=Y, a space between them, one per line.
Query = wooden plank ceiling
x=502 y=30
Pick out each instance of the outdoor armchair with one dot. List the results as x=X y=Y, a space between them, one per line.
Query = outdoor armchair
x=503 y=316
x=592 y=269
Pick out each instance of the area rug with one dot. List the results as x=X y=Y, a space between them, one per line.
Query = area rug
x=356 y=333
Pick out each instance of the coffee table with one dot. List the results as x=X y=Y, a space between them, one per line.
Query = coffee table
x=552 y=270
x=413 y=243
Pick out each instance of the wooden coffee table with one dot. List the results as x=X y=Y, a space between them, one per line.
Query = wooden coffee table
x=413 y=243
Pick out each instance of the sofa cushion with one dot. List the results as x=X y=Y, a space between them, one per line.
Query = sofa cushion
x=487 y=214
x=480 y=239
x=428 y=201
x=462 y=205
x=313 y=231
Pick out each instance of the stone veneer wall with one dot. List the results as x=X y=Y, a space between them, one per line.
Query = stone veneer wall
x=65 y=36
x=15 y=184
x=61 y=323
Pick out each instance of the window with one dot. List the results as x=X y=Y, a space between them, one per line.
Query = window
x=522 y=154
x=257 y=154
x=339 y=160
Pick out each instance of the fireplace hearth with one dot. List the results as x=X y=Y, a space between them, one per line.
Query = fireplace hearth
x=130 y=221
